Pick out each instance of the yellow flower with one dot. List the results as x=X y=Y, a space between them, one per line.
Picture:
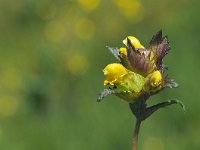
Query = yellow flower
x=136 y=58
x=153 y=82
x=134 y=41
x=114 y=73
x=156 y=79
x=123 y=50
x=141 y=72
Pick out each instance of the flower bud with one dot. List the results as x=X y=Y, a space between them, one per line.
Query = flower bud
x=123 y=51
x=153 y=82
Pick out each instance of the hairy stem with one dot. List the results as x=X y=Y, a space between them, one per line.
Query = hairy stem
x=136 y=134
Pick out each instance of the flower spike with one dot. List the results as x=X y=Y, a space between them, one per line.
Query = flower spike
x=139 y=74
x=140 y=71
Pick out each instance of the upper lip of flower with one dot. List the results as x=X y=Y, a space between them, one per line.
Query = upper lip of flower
x=140 y=59
x=114 y=73
x=134 y=41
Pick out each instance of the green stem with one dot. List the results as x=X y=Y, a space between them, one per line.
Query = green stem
x=136 y=134
x=141 y=112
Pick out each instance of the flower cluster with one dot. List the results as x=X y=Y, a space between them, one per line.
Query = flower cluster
x=140 y=71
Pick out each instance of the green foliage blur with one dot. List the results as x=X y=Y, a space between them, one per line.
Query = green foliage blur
x=52 y=53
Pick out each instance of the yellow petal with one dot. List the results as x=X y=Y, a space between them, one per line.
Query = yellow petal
x=123 y=50
x=156 y=79
x=134 y=41
x=114 y=72
x=105 y=82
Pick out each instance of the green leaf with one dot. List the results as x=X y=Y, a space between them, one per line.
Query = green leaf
x=171 y=83
x=115 y=52
x=177 y=102
x=150 y=110
x=104 y=93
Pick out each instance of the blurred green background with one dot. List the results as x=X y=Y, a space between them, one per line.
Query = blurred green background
x=52 y=53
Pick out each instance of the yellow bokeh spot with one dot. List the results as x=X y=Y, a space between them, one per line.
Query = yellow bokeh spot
x=152 y=143
x=8 y=105
x=112 y=27
x=84 y=28
x=114 y=73
x=46 y=10
x=89 y=5
x=11 y=79
x=69 y=14
x=77 y=64
x=55 y=31
x=131 y=9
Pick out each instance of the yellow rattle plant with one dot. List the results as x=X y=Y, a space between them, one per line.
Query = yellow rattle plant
x=139 y=74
